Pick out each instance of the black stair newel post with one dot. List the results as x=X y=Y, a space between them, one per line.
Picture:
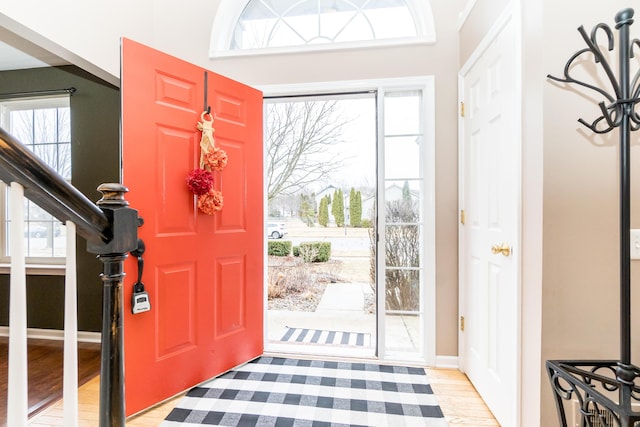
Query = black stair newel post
x=123 y=239
x=604 y=392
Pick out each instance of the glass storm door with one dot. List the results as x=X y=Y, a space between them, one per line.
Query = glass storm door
x=402 y=213
x=406 y=297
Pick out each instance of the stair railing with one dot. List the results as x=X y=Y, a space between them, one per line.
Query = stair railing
x=110 y=229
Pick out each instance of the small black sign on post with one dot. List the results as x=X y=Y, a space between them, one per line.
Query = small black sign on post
x=603 y=393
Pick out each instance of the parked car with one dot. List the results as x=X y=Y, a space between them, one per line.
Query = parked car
x=276 y=230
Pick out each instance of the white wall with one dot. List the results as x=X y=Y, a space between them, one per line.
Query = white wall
x=83 y=32
x=533 y=374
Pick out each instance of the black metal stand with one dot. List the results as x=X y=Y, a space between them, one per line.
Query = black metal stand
x=601 y=392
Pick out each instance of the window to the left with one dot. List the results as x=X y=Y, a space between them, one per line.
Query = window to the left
x=44 y=126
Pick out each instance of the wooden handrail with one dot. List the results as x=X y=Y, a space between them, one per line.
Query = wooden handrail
x=50 y=191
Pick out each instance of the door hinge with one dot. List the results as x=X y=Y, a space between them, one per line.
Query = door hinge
x=463 y=217
x=461 y=108
x=462 y=323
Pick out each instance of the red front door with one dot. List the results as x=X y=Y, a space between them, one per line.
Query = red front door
x=204 y=274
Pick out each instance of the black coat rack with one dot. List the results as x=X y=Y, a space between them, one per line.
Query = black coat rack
x=604 y=392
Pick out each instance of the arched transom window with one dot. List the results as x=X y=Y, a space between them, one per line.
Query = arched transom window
x=276 y=25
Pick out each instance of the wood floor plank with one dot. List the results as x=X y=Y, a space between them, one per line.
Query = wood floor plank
x=460 y=402
x=44 y=361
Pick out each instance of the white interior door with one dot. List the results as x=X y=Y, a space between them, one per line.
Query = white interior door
x=489 y=264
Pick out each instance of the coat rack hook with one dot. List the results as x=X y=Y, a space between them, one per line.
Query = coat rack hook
x=589 y=381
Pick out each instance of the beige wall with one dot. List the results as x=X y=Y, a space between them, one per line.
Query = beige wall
x=477 y=24
x=84 y=33
x=88 y=34
x=581 y=235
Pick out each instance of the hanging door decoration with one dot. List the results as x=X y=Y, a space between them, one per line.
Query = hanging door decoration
x=200 y=181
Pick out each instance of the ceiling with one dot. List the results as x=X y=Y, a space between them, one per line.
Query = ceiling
x=14 y=59
x=34 y=51
x=17 y=53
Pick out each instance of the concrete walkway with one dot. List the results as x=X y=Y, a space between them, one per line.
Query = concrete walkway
x=344 y=297
x=341 y=308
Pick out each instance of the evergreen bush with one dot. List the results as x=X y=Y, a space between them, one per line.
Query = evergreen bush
x=323 y=212
x=279 y=247
x=337 y=207
x=355 y=208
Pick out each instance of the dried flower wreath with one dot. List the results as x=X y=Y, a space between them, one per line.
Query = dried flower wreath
x=212 y=158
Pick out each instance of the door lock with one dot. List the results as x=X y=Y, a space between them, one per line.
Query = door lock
x=140 y=298
x=503 y=249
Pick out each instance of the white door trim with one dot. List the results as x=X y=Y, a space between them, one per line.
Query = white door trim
x=511 y=13
x=427 y=84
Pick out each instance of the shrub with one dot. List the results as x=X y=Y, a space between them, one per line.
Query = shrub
x=315 y=251
x=279 y=247
x=287 y=280
x=402 y=287
x=296 y=251
x=366 y=223
x=402 y=248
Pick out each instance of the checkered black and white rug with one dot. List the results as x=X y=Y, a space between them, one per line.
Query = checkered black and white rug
x=317 y=336
x=279 y=392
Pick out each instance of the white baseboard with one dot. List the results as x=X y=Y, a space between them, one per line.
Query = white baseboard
x=54 y=334
x=447 y=362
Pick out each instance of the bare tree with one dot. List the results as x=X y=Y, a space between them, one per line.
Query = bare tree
x=401 y=251
x=46 y=131
x=301 y=140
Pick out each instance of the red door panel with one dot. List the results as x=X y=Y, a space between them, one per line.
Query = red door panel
x=240 y=230
x=204 y=274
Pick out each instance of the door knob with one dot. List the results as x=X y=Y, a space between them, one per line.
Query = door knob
x=503 y=249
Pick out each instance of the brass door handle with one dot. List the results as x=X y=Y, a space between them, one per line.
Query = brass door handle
x=503 y=249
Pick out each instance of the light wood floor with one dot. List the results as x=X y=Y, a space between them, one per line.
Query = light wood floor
x=458 y=399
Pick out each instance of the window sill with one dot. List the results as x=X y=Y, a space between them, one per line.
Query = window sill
x=38 y=269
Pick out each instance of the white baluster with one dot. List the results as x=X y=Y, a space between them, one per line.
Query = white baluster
x=70 y=380
x=17 y=400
